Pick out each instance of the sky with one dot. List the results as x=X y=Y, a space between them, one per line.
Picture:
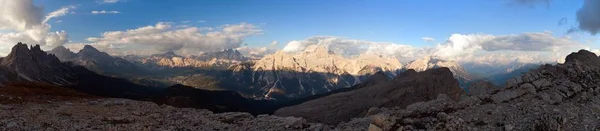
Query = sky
x=460 y=30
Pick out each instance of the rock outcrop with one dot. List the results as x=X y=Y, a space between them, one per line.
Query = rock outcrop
x=406 y=88
x=480 y=87
x=552 y=97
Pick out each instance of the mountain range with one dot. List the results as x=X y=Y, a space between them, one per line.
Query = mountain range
x=219 y=59
x=32 y=65
x=315 y=70
x=281 y=75
x=548 y=97
x=99 y=62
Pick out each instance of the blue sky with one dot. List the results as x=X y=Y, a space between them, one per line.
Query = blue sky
x=485 y=32
x=403 y=22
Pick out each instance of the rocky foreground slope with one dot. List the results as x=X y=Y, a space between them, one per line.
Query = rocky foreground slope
x=406 y=88
x=552 y=97
x=122 y=114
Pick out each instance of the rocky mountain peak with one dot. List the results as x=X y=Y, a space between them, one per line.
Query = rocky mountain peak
x=430 y=62
x=426 y=62
x=35 y=48
x=169 y=54
x=583 y=57
x=231 y=51
x=100 y=62
x=421 y=64
x=227 y=54
x=33 y=64
x=21 y=55
x=319 y=50
x=18 y=50
x=89 y=49
x=369 y=70
x=61 y=49
x=62 y=53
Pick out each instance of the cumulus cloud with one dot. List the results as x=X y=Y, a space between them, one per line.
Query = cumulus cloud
x=105 y=12
x=258 y=52
x=351 y=47
x=164 y=36
x=19 y=14
x=533 y=47
x=427 y=39
x=459 y=44
x=588 y=17
x=25 y=22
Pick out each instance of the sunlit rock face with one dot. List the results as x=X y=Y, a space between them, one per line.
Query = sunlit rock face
x=220 y=59
x=316 y=70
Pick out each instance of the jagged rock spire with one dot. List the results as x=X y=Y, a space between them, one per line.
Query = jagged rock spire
x=34 y=65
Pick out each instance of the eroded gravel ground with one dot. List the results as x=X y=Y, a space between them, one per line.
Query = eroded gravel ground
x=123 y=114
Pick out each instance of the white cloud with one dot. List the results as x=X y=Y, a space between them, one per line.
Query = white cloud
x=258 y=51
x=19 y=14
x=201 y=21
x=109 y=1
x=167 y=37
x=60 y=12
x=351 y=47
x=459 y=44
x=428 y=39
x=105 y=12
x=183 y=26
x=533 y=47
x=25 y=22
